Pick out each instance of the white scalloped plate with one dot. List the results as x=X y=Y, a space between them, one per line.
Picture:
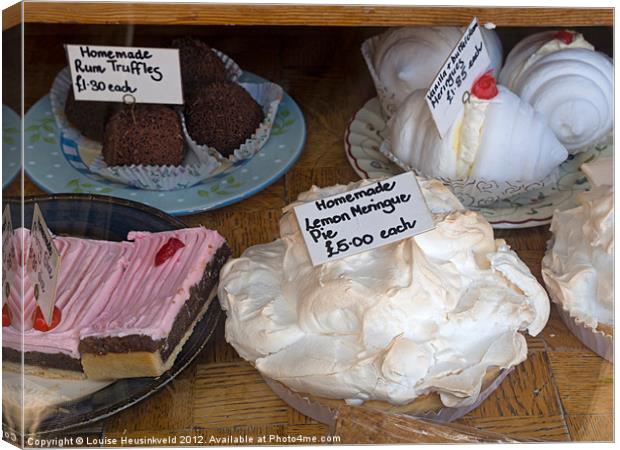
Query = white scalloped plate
x=366 y=131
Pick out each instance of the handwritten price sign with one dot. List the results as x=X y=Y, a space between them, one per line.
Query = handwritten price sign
x=125 y=74
x=468 y=60
x=363 y=219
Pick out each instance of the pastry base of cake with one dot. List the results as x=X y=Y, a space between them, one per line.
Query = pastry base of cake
x=325 y=410
x=39 y=371
x=147 y=364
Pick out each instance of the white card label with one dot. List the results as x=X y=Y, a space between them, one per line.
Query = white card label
x=43 y=264
x=468 y=60
x=9 y=258
x=125 y=74
x=363 y=219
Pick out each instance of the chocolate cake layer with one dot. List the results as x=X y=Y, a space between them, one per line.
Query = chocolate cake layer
x=40 y=359
x=134 y=343
x=89 y=117
x=143 y=134
x=199 y=64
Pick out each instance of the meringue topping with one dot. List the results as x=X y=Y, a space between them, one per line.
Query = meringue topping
x=429 y=313
x=578 y=266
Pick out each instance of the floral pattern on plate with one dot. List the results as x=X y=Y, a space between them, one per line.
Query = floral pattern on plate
x=366 y=132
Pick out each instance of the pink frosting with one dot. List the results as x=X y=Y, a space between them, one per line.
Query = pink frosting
x=114 y=289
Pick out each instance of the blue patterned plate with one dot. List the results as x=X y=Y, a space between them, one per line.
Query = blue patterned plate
x=366 y=132
x=52 y=161
x=10 y=145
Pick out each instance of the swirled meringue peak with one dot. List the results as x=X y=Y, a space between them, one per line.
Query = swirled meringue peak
x=426 y=314
x=578 y=266
x=408 y=58
x=534 y=47
x=567 y=82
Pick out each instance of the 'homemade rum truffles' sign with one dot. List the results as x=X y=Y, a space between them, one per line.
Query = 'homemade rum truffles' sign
x=125 y=74
x=468 y=60
x=363 y=219
x=43 y=264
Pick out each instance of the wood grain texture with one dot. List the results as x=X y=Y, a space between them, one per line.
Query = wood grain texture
x=12 y=16
x=561 y=392
x=591 y=428
x=584 y=381
x=174 y=14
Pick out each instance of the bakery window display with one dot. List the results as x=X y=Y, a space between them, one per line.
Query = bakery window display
x=122 y=309
x=555 y=394
x=578 y=265
x=434 y=315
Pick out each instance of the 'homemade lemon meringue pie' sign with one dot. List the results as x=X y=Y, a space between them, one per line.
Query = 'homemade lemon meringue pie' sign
x=365 y=218
x=469 y=60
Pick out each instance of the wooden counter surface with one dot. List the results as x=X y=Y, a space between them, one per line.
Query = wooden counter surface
x=562 y=392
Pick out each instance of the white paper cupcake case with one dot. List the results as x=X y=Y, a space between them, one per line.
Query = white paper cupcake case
x=387 y=98
x=600 y=343
x=475 y=192
x=326 y=415
x=156 y=178
x=268 y=96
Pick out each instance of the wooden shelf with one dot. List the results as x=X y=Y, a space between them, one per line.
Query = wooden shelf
x=312 y=15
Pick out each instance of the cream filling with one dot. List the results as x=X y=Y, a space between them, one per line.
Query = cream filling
x=468 y=136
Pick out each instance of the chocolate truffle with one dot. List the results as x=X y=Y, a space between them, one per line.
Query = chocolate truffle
x=199 y=64
x=143 y=134
x=88 y=117
x=222 y=115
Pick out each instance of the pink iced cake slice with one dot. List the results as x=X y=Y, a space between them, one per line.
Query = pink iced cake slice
x=125 y=309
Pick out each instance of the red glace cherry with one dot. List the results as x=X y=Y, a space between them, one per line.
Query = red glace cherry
x=38 y=321
x=564 y=36
x=167 y=251
x=485 y=87
x=6 y=315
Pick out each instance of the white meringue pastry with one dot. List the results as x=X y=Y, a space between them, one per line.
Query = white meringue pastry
x=569 y=84
x=578 y=265
x=501 y=139
x=531 y=49
x=408 y=58
x=427 y=314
